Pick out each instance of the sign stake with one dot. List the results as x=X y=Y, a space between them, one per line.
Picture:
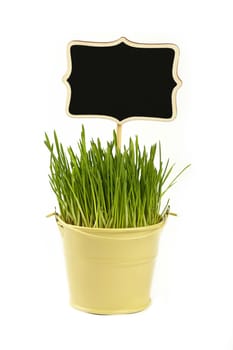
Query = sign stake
x=119 y=133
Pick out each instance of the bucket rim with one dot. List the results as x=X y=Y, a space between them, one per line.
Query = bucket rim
x=127 y=233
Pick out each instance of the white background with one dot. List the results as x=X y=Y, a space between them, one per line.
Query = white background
x=193 y=284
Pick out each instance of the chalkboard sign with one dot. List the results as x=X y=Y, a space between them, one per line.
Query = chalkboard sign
x=122 y=79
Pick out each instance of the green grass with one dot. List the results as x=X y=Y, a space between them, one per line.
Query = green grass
x=107 y=187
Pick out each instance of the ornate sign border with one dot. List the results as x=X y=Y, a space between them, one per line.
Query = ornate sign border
x=132 y=44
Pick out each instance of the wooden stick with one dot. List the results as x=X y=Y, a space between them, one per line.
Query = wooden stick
x=118 y=132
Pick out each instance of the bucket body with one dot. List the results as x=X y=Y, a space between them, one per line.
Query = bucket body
x=110 y=270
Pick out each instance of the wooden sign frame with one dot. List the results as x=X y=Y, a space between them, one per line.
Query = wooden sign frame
x=175 y=77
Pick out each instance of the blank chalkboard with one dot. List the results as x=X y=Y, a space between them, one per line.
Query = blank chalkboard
x=122 y=79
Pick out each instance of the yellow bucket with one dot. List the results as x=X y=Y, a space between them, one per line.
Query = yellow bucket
x=110 y=270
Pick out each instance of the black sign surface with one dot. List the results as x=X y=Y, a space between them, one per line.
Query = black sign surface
x=122 y=80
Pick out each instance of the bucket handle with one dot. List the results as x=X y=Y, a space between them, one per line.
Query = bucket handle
x=56 y=214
